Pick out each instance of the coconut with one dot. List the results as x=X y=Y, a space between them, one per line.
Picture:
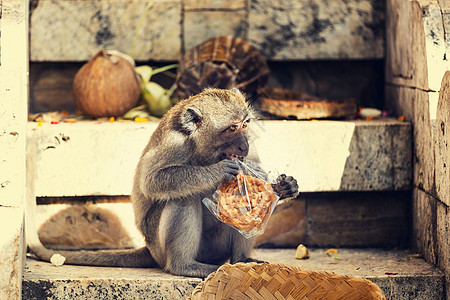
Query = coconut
x=107 y=85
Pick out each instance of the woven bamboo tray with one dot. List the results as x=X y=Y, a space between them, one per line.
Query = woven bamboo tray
x=255 y=281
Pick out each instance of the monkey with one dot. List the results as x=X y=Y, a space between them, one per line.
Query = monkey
x=192 y=151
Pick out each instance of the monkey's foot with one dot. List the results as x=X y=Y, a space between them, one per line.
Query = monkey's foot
x=248 y=260
x=195 y=269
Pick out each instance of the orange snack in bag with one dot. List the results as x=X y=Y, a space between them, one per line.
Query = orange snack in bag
x=245 y=202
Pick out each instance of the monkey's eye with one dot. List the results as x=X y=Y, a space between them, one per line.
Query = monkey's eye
x=232 y=128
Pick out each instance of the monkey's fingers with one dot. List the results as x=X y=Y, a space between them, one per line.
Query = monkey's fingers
x=230 y=169
x=287 y=180
x=281 y=177
x=288 y=191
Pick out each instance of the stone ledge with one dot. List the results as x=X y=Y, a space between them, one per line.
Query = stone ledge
x=413 y=279
x=87 y=158
x=321 y=29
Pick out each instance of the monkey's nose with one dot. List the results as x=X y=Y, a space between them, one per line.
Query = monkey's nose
x=243 y=148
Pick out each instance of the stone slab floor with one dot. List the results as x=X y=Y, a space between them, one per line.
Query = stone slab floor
x=400 y=274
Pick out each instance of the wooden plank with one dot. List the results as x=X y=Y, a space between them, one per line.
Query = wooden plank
x=13 y=120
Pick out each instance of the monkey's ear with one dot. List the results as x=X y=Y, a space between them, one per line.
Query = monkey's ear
x=239 y=92
x=192 y=119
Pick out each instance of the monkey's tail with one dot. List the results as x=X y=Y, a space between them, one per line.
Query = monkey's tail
x=132 y=258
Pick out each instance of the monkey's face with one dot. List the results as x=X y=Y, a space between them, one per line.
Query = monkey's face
x=223 y=140
x=221 y=128
x=234 y=140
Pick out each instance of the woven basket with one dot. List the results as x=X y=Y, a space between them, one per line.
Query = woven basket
x=254 y=281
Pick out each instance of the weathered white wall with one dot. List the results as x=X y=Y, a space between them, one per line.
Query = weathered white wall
x=13 y=118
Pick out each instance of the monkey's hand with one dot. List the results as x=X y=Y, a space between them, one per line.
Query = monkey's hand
x=229 y=168
x=286 y=186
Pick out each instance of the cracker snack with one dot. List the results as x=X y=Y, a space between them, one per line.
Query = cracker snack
x=245 y=202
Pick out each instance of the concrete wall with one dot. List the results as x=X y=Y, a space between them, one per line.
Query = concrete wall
x=417 y=85
x=13 y=118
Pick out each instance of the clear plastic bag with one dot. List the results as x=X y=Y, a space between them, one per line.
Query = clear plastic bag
x=246 y=202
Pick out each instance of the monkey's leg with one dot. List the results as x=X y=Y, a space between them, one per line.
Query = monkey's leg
x=180 y=232
x=241 y=248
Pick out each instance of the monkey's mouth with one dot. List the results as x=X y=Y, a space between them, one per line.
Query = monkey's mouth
x=234 y=157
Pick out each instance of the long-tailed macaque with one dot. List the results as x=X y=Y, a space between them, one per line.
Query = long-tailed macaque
x=189 y=155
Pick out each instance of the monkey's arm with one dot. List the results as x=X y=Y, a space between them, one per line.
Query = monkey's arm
x=177 y=181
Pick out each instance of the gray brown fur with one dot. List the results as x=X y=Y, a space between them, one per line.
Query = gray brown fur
x=185 y=161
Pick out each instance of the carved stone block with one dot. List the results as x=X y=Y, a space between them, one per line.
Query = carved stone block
x=76 y=30
x=317 y=29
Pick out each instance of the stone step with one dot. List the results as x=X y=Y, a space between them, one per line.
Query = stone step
x=399 y=273
x=89 y=158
